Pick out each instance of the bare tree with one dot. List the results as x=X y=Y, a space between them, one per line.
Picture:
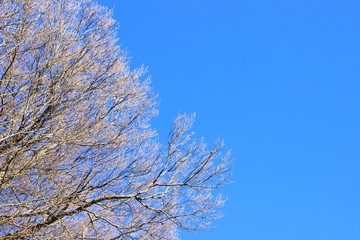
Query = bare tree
x=78 y=159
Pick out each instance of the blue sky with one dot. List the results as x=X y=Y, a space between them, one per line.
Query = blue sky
x=279 y=81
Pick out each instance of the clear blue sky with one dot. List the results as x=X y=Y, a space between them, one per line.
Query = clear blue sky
x=279 y=81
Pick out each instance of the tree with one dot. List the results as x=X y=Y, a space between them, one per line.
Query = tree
x=78 y=159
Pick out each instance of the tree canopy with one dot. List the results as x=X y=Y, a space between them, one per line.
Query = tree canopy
x=78 y=158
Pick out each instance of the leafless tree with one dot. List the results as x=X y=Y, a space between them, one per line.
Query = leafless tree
x=78 y=159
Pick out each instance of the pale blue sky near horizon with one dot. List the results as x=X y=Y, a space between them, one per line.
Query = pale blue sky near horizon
x=279 y=81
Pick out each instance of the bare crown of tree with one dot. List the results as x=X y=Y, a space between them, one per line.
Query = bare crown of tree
x=78 y=159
